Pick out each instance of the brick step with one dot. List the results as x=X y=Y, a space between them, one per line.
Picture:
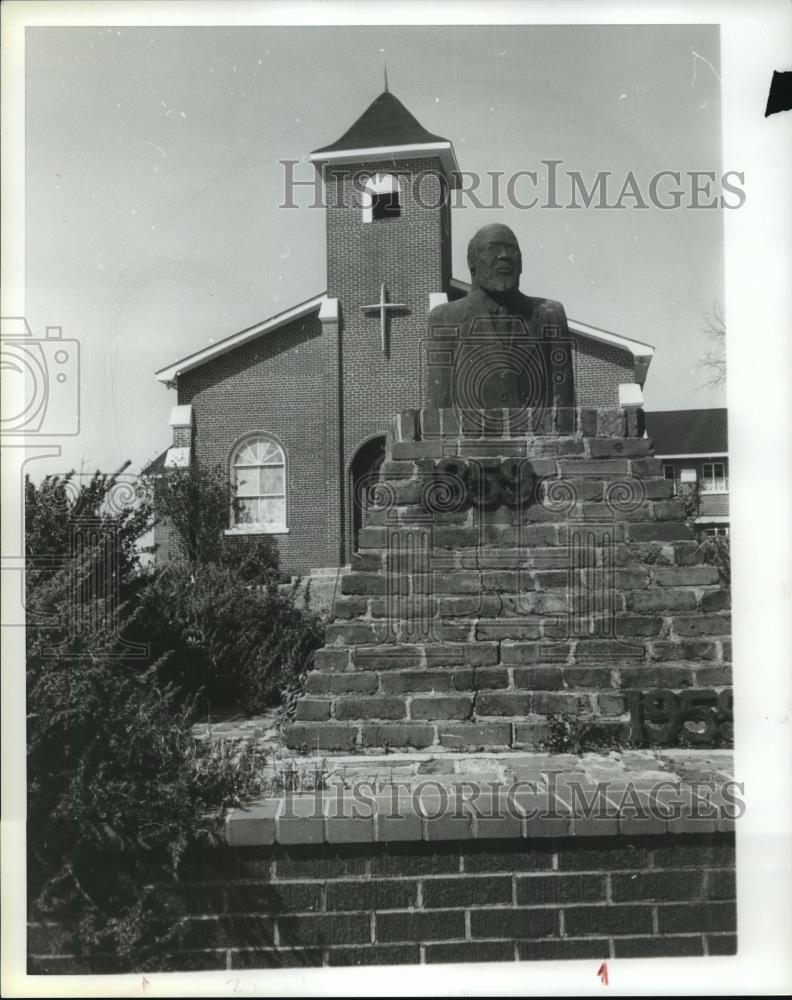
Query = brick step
x=564 y=512
x=363 y=618
x=474 y=720
x=404 y=480
x=552 y=533
x=681 y=553
x=617 y=458
x=394 y=655
x=323 y=684
x=541 y=453
x=524 y=580
x=464 y=706
x=475 y=623
x=529 y=732
x=430 y=423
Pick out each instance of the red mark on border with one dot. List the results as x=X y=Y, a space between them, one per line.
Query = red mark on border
x=602 y=972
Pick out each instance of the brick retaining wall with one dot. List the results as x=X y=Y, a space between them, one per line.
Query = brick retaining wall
x=467 y=901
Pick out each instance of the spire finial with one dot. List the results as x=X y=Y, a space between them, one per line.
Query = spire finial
x=386 y=78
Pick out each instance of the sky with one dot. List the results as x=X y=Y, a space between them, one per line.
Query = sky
x=153 y=186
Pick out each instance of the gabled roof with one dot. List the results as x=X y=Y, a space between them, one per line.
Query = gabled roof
x=385 y=122
x=688 y=433
x=170 y=373
x=642 y=353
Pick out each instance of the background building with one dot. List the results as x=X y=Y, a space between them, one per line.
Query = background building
x=693 y=446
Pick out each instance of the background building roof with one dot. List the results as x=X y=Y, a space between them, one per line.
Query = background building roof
x=688 y=432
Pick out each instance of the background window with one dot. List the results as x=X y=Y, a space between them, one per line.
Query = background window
x=717 y=529
x=259 y=477
x=714 y=478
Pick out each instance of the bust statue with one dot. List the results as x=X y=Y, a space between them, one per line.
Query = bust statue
x=497 y=347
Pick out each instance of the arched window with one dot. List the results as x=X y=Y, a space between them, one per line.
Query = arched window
x=381 y=198
x=258 y=473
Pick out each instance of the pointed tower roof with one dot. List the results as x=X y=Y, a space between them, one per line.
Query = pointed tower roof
x=385 y=122
x=387 y=130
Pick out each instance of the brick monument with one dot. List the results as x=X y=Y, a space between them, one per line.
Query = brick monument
x=517 y=562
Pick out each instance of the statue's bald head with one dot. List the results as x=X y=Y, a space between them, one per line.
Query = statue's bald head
x=494 y=259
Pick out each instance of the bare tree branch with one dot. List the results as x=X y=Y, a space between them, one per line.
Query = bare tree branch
x=714 y=360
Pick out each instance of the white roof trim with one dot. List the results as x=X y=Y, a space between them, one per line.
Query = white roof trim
x=636 y=347
x=642 y=353
x=445 y=150
x=170 y=373
x=697 y=454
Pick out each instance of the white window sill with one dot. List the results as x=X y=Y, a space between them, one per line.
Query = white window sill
x=713 y=493
x=252 y=530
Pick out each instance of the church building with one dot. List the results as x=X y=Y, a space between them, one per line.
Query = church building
x=296 y=408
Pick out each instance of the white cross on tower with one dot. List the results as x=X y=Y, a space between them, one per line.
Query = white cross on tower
x=382 y=308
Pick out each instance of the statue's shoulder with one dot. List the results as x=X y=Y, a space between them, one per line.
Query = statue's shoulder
x=546 y=310
x=449 y=312
x=541 y=306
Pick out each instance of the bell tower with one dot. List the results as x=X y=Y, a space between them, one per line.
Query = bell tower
x=387 y=182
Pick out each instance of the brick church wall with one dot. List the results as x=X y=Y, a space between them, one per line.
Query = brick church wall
x=599 y=370
x=275 y=385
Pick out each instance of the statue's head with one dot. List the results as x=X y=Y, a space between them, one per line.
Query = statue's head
x=494 y=259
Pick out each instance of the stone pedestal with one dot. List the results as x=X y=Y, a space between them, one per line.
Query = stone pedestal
x=516 y=568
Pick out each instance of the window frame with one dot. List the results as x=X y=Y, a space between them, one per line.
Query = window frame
x=673 y=478
x=257 y=527
x=709 y=482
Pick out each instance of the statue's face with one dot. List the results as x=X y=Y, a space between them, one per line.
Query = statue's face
x=495 y=259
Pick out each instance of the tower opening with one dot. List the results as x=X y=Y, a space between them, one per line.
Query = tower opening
x=385 y=206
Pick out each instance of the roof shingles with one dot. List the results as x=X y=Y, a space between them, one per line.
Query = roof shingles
x=385 y=122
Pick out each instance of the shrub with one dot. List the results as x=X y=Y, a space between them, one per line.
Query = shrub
x=579 y=734
x=229 y=633
x=118 y=789
x=195 y=502
x=66 y=515
x=237 y=641
x=714 y=549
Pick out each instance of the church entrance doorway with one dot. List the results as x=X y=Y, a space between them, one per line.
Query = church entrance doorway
x=364 y=473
